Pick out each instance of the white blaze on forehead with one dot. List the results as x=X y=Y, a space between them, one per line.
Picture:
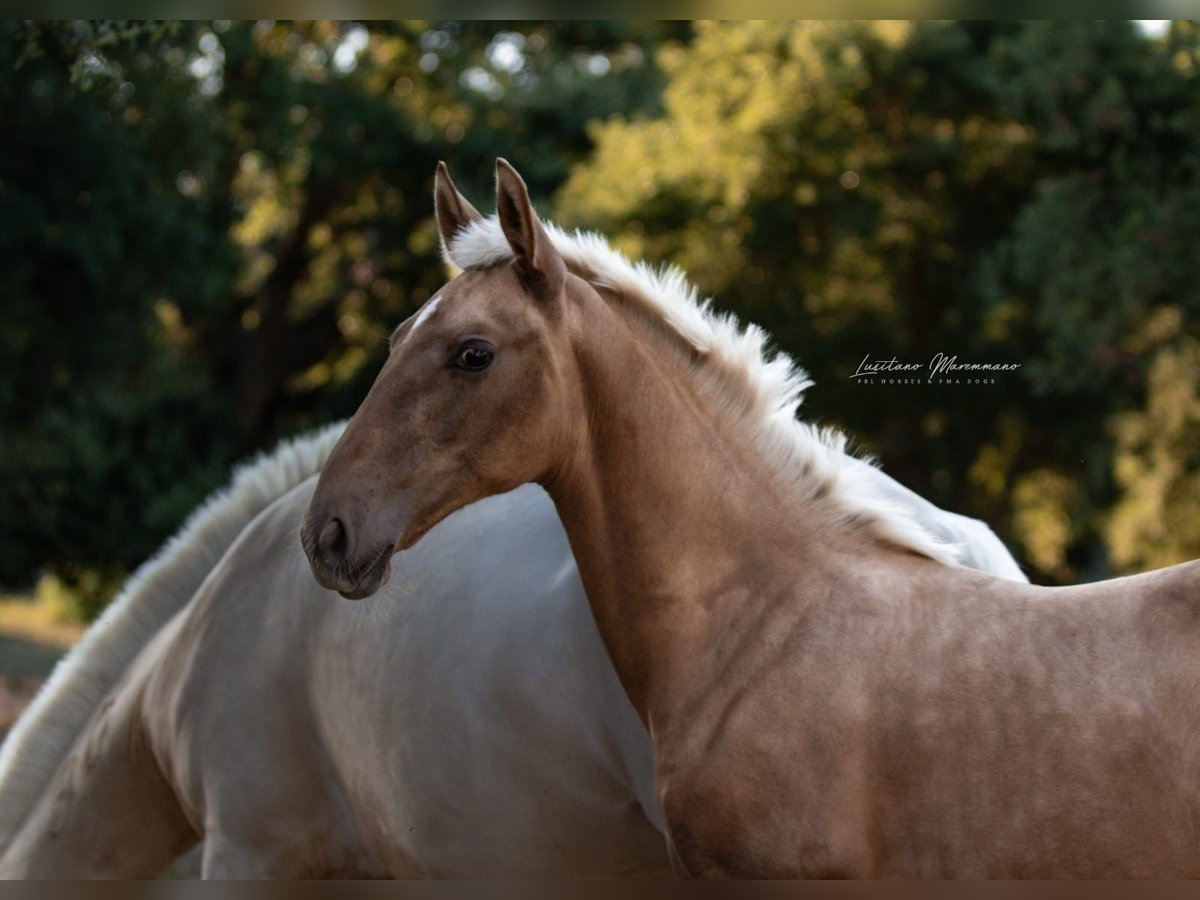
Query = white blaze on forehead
x=426 y=312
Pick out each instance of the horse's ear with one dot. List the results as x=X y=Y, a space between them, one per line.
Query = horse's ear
x=535 y=254
x=454 y=211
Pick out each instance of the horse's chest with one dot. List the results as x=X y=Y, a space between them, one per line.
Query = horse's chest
x=744 y=804
x=724 y=830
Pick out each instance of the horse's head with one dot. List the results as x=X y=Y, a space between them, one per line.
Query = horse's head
x=469 y=402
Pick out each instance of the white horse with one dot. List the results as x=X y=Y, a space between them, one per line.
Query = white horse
x=434 y=729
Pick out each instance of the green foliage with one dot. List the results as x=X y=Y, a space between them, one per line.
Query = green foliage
x=1158 y=464
x=91 y=237
x=207 y=230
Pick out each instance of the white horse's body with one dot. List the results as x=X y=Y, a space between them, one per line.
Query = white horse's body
x=463 y=722
x=444 y=711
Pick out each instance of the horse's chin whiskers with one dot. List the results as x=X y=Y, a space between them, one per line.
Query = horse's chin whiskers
x=381 y=608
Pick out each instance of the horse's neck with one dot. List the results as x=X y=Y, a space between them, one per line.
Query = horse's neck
x=677 y=526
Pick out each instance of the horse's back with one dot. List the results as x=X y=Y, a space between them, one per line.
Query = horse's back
x=1054 y=696
x=1170 y=595
x=960 y=724
x=463 y=721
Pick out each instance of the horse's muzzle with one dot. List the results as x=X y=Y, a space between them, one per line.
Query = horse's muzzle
x=330 y=548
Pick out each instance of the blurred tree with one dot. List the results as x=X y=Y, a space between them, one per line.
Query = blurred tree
x=1100 y=257
x=1158 y=464
x=208 y=229
x=93 y=234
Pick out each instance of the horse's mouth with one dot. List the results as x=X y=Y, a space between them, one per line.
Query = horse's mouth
x=355 y=583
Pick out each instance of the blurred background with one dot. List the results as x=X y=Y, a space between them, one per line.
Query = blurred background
x=207 y=230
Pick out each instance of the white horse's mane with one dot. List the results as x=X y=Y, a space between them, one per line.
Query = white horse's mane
x=759 y=388
x=162 y=586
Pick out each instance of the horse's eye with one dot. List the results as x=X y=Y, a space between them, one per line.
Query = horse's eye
x=474 y=357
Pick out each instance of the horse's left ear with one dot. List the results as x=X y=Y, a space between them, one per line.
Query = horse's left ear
x=536 y=256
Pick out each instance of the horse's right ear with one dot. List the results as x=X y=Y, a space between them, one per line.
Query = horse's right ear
x=454 y=211
x=533 y=249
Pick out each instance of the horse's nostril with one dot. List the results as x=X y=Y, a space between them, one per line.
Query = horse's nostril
x=331 y=543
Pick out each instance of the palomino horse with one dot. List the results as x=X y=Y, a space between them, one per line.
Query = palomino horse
x=430 y=743
x=826 y=692
x=465 y=721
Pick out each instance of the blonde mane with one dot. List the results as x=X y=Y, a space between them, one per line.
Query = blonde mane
x=163 y=585
x=734 y=368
